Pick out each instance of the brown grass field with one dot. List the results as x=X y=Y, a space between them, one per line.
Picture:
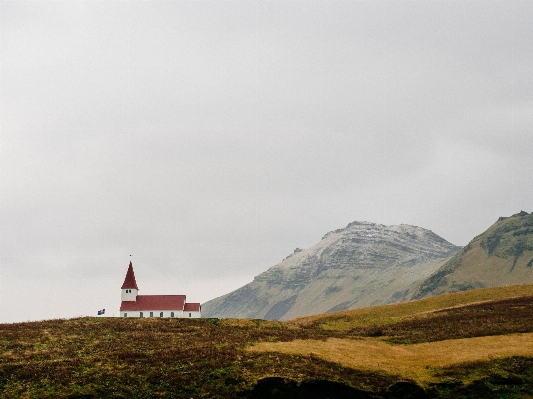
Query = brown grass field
x=417 y=362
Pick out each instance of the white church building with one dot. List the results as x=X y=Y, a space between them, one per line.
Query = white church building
x=135 y=305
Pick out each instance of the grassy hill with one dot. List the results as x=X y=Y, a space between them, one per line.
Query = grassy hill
x=393 y=313
x=502 y=255
x=471 y=344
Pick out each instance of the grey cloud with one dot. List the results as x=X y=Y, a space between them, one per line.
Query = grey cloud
x=211 y=139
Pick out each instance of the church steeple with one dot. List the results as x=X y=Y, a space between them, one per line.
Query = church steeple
x=129 y=281
x=129 y=288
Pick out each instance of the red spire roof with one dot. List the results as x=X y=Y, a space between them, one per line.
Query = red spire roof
x=129 y=281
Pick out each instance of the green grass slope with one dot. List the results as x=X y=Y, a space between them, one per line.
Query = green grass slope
x=502 y=255
x=399 y=312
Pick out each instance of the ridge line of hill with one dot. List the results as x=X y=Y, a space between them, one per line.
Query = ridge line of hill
x=360 y=265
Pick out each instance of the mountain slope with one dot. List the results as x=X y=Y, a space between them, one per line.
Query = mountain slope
x=502 y=255
x=361 y=265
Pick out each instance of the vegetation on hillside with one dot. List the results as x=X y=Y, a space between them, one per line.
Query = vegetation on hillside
x=394 y=313
x=509 y=237
x=212 y=358
x=145 y=358
x=488 y=260
x=484 y=319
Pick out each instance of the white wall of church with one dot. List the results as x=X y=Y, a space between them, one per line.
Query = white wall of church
x=157 y=313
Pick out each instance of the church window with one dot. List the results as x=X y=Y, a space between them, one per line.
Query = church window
x=141 y=314
x=161 y=314
x=151 y=314
x=171 y=314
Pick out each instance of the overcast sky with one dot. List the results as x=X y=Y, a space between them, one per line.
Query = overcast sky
x=210 y=139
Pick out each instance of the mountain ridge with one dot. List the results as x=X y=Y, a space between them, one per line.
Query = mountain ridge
x=501 y=255
x=362 y=264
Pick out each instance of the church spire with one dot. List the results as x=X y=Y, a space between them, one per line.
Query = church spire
x=129 y=281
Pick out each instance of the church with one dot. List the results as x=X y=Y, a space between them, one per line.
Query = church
x=135 y=305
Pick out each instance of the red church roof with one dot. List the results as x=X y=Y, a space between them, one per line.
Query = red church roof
x=155 y=302
x=129 y=281
x=192 y=307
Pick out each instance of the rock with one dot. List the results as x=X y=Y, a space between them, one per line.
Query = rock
x=278 y=388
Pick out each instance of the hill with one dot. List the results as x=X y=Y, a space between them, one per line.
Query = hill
x=363 y=264
x=502 y=255
x=388 y=314
x=466 y=345
x=453 y=346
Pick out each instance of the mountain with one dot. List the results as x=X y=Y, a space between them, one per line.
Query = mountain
x=502 y=255
x=363 y=264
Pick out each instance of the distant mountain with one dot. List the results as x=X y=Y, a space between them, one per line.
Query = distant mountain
x=361 y=265
x=502 y=255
